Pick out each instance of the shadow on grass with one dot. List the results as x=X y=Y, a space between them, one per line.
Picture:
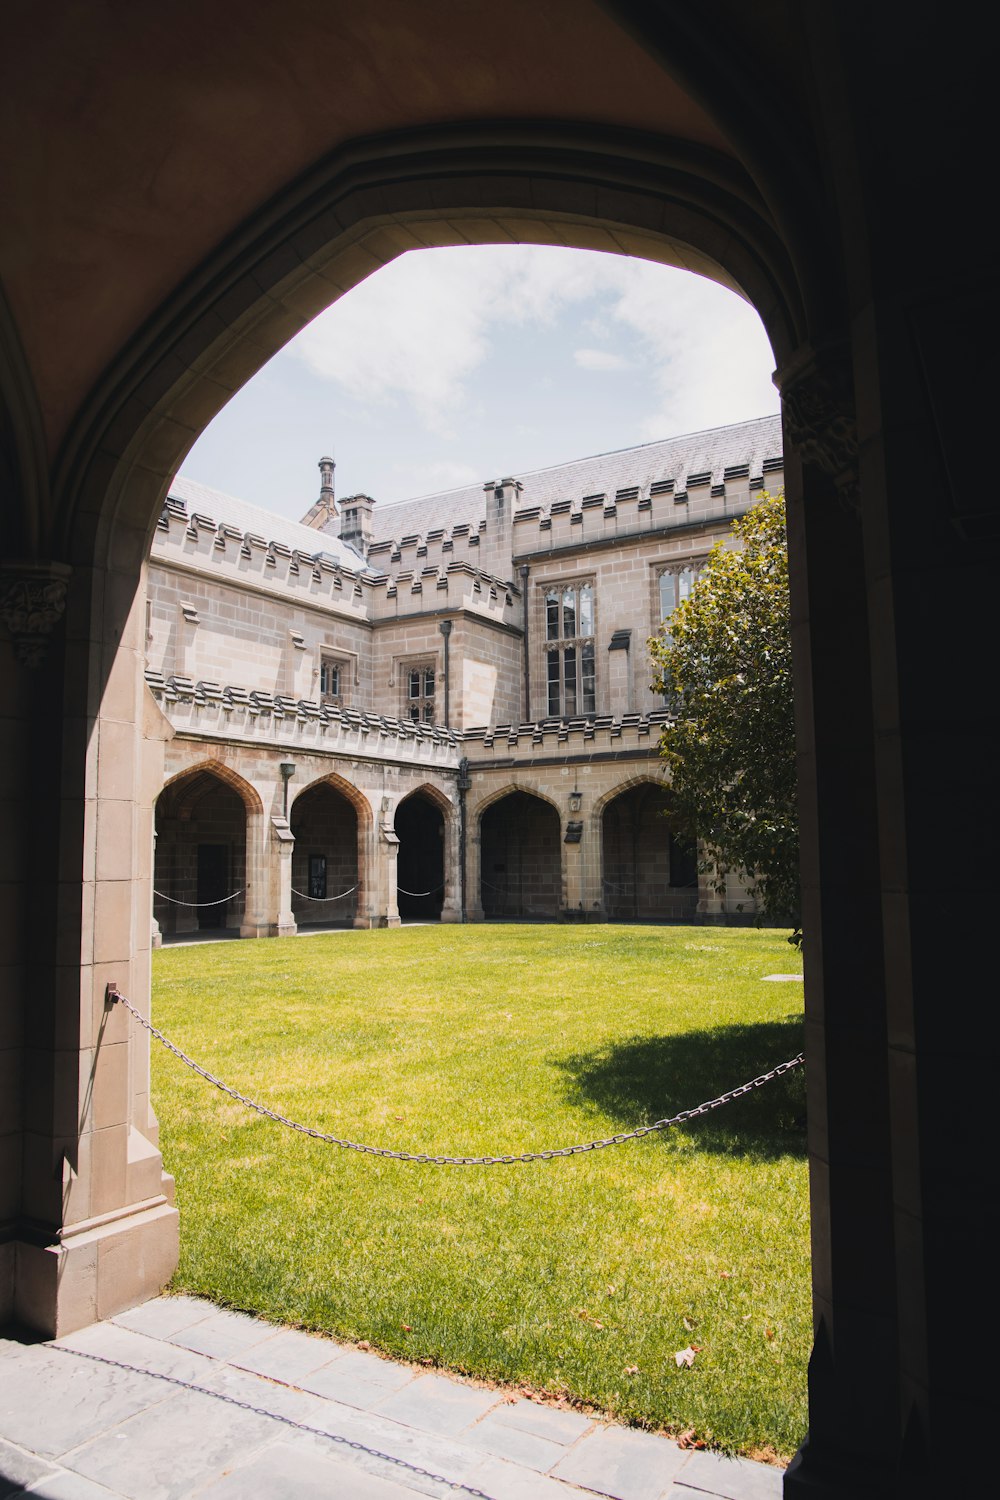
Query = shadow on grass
x=650 y=1078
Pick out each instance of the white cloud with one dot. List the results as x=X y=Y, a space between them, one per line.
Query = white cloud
x=419 y=329
x=599 y=359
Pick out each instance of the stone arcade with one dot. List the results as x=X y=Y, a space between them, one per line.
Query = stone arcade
x=447 y=713
x=184 y=188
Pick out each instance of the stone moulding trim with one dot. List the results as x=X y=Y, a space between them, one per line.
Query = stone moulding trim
x=32 y=603
x=100 y=1221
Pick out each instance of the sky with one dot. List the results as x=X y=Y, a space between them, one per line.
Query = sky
x=461 y=365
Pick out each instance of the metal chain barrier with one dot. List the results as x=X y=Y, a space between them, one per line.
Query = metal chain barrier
x=114 y=996
x=174 y=902
x=432 y=892
x=339 y=897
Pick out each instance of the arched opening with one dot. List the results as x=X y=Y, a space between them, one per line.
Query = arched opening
x=649 y=873
x=420 y=829
x=521 y=864
x=325 y=861
x=200 y=865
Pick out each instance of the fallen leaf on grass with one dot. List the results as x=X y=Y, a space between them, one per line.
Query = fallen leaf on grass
x=725 y=1275
x=690 y=1324
x=364 y=1344
x=769 y=1333
x=686 y=1357
x=689 y=1439
x=406 y=1327
x=631 y=1369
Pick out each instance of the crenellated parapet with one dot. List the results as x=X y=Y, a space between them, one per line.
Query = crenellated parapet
x=411 y=580
x=212 y=711
x=705 y=498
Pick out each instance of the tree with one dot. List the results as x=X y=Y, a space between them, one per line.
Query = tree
x=723 y=659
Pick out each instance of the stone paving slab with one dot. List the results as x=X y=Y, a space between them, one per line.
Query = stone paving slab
x=622 y=1464
x=178 y=1399
x=437 y=1405
x=731 y=1478
x=286 y=1473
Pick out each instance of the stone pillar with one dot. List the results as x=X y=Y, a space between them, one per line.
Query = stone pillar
x=853 y=1371
x=256 y=898
x=92 y=1226
x=473 y=870
x=592 y=866
x=386 y=858
x=365 y=914
x=451 y=908
x=156 y=936
x=571 y=846
x=282 y=923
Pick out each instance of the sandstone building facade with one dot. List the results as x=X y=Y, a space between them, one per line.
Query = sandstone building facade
x=440 y=708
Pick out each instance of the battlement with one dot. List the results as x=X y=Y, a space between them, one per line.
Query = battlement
x=420 y=578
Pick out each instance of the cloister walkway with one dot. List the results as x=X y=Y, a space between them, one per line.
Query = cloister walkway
x=177 y=1398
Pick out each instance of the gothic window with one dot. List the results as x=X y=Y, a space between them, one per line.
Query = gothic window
x=674 y=585
x=418 y=678
x=333 y=679
x=570 y=660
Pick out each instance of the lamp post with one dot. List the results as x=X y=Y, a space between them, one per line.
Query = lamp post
x=287 y=769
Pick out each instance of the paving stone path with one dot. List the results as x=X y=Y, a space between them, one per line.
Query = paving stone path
x=177 y=1398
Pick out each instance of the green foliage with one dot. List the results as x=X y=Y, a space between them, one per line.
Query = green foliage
x=724 y=656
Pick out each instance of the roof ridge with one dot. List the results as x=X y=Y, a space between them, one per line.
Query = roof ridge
x=567 y=463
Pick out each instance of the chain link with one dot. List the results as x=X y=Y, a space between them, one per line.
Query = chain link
x=114 y=996
x=339 y=896
x=174 y=902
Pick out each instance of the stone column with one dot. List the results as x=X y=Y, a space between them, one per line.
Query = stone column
x=92 y=1226
x=282 y=923
x=256 y=898
x=156 y=936
x=571 y=847
x=386 y=859
x=592 y=866
x=473 y=869
x=451 y=908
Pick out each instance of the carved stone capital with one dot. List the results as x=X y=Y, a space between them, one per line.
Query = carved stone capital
x=32 y=602
x=818 y=399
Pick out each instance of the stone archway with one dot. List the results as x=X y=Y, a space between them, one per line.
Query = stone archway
x=648 y=873
x=327 y=874
x=200 y=864
x=521 y=858
x=420 y=862
x=825 y=211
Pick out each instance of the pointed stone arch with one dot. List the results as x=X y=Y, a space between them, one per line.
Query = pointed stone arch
x=333 y=859
x=207 y=821
x=246 y=791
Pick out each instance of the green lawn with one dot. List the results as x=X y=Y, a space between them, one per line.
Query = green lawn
x=581 y=1276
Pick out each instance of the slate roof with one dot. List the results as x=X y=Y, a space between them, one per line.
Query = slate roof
x=221 y=507
x=709 y=452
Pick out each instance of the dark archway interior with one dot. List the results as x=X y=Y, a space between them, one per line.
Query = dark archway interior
x=521 y=869
x=420 y=863
x=325 y=868
x=200 y=859
x=649 y=874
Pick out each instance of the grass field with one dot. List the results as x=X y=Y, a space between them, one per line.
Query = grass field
x=583 y=1276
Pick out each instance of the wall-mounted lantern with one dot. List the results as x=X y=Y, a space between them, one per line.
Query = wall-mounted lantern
x=575 y=800
x=287 y=769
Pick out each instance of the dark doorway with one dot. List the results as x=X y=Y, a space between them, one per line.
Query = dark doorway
x=213 y=884
x=649 y=874
x=420 y=862
x=325 y=867
x=521 y=863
